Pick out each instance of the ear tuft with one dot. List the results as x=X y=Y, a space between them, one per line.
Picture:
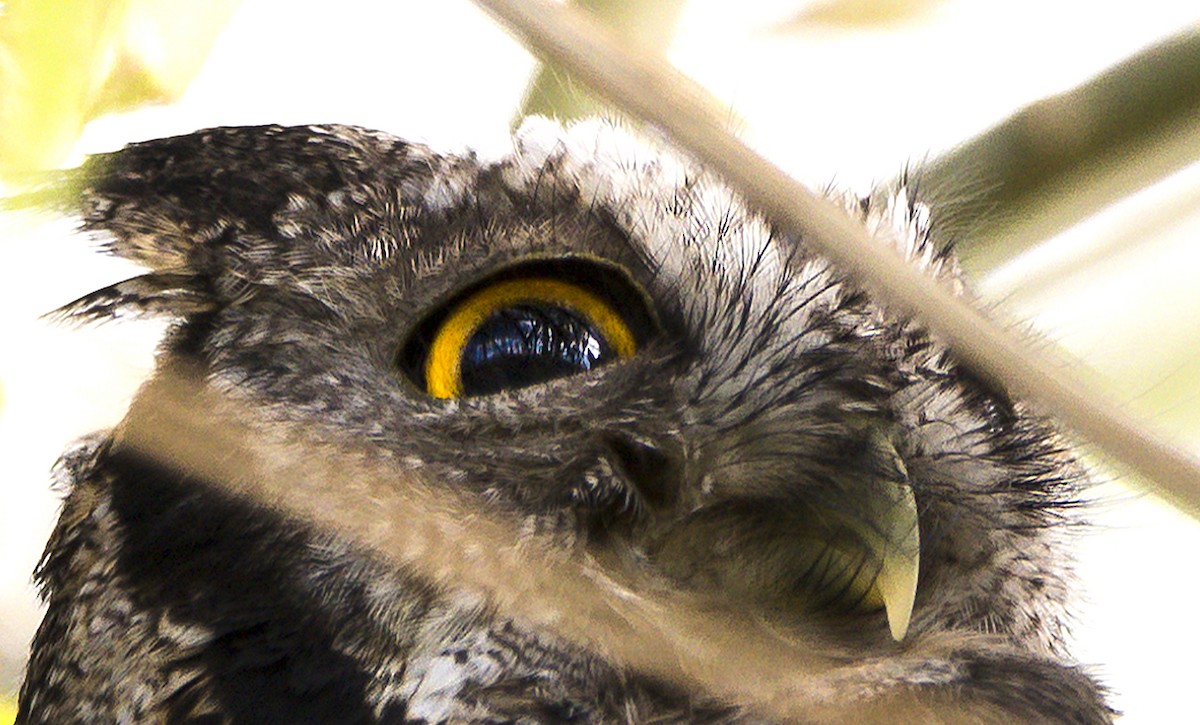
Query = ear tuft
x=158 y=294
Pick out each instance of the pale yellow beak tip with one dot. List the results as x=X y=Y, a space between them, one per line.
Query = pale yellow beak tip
x=898 y=589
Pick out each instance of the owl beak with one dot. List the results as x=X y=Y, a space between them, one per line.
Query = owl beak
x=897 y=582
x=898 y=588
x=891 y=530
x=858 y=548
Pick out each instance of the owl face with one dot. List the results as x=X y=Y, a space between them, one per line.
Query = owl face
x=596 y=340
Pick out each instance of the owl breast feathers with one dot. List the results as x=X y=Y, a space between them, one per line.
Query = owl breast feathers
x=568 y=436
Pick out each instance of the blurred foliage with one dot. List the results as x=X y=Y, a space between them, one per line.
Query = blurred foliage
x=1042 y=170
x=646 y=23
x=858 y=14
x=64 y=62
x=1063 y=158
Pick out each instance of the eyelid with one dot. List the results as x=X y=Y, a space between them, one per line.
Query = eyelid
x=443 y=367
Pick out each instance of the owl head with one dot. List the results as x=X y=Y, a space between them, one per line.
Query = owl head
x=593 y=339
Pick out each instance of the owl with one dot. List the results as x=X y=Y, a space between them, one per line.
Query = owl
x=588 y=353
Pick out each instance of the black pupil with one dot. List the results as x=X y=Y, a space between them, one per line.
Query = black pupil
x=530 y=343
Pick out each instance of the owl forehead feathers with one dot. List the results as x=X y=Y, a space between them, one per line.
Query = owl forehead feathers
x=341 y=200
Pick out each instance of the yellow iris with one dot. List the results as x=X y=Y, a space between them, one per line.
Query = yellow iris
x=443 y=367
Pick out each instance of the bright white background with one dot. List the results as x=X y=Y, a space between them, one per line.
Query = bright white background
x=850 y=104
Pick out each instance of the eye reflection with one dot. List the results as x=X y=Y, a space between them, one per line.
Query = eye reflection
x=529 y=343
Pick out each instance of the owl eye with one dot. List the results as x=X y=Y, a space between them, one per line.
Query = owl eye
x=518 y=331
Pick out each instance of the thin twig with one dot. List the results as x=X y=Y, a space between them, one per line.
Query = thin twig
x=783 y=671
x=650 y=89
x=1065 y=157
